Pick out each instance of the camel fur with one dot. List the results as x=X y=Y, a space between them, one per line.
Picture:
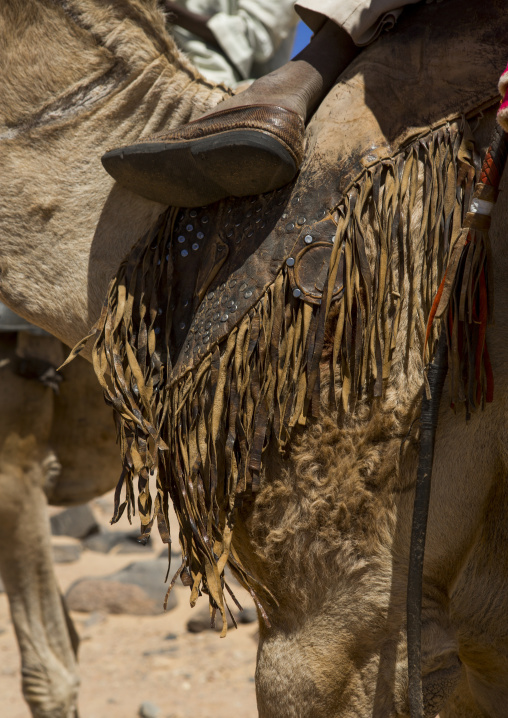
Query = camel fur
x=58 y=449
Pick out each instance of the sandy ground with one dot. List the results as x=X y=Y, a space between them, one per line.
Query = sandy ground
x=125 y=660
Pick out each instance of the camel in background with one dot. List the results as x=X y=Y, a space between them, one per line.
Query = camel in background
x=57 y=448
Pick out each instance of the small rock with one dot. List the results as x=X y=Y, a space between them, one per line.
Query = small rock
x=65 y=549
x=138 y=590
x=102 y=542
x=201 y=622
x=78 y=522
x=149 y=575
x=248 y=615
x=148 y=710
x=122 y=541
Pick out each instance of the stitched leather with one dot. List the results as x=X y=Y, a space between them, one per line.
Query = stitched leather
x=286 y=125
x=227 y=356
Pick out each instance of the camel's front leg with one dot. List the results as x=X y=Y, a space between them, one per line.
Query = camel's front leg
x=49 y=668
x=48 y=660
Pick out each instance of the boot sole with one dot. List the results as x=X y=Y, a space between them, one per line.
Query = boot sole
x=197 y=172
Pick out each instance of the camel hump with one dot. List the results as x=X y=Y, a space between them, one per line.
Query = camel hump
x=432 y=68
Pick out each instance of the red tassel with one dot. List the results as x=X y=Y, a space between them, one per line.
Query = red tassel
x=464 y=289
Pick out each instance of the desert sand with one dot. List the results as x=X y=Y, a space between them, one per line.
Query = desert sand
x=127 y=660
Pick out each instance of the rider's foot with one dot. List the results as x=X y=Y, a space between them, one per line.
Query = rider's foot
x=250 y=144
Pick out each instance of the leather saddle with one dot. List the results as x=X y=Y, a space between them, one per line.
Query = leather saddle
x=428 y=72
x=215 y=326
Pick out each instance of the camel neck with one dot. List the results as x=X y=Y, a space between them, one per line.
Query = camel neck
x=82 y=80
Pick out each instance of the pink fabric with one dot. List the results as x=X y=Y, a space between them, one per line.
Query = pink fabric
x=502 y=114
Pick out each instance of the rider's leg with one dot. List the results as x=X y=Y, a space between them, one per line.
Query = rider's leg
x=252 y=143
x=302 y=83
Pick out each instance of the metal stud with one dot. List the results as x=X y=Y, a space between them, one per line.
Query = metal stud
x=229 y=233
x=184 y=253
x=182 y=325
x=250 y=233
x=204 y=219
x=181 y=239
x=193 y=213
x=200 y=235
x=189 y=227
x=248 y=294
x=297 y=293
x=290 y=262
x=224 y=318
x=232 y=283
x=195 y=246
x=308 y=239
x=157 y=330
x=290 y=226
x=159 y=311
x=210 y=295
x=243 y=286
x=300 y=221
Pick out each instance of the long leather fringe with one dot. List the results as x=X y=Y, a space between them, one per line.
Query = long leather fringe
x=203 y=436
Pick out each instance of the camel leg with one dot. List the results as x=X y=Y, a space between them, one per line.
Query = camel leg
x=49 y=667
x=27 y=468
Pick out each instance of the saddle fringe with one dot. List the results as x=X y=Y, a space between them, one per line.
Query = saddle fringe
x=203 y=436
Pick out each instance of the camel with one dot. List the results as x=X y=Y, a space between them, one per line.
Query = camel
x=327 y=532
x=57 y=449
